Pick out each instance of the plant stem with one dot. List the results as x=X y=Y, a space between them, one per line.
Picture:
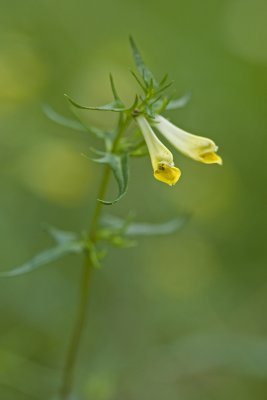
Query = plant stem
x=72 y=352
x=69 y=367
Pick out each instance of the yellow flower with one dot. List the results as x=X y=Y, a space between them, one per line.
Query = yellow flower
x=161 y=157
x=197 y=147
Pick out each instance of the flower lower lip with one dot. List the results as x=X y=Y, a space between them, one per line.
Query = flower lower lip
x=167 y=173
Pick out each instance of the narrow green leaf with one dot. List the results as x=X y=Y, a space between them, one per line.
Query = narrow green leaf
x=164 y=80
x=114 y=91
x=160 y=105
x=150 y=89
x=135 y=103
x=156 y=101
x=119 y=166
x=179 y=103
x=60 y=236
x=44 y=258
x=62 y=120
x=72 y=123
x=145 y=229
x=138 y=81
x=163 y=88
x=149 y=111
x=142 y=68
x=115 y=106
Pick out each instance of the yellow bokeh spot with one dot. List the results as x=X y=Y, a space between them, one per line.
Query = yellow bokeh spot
x=22 y=70
x=56 y=172
x=211 y=158
x=167 y=173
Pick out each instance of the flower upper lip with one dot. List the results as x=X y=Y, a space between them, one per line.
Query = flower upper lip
x=196 y=147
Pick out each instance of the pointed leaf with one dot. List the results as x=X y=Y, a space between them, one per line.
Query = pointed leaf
x=114 y=91
x=119 y=166
x=62 y=120
x=60 y=236
x=115 y=106
x=142 y=68
x=163 y=88
x=44 y=258
x=164 y=80
x=138 y=81
x=134 y=105
x=179 y=103
x=145 y=229
x=71 y=123
x=149 y=111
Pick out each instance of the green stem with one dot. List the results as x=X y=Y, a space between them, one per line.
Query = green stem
x=69 y=367
x=72 y=352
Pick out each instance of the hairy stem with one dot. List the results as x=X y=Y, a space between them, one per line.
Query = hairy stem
x=73 y=349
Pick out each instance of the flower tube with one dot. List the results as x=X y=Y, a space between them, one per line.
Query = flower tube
x=196 y=147
x=161 y=157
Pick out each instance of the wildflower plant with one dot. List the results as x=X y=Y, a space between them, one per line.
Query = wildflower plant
x=119 y=146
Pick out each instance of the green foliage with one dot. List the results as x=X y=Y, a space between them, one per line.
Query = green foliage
x=62 y=120
x=114 y=91
x=179 y=103
x=118 y=148
x=120 y=168
x=121 y=232
x=145 y=73
x=115 y=106
x=72 y=123
x=130 y=228
x=67 y=242
x=181 y=316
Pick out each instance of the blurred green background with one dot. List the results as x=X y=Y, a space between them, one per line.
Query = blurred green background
x=180 y=317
